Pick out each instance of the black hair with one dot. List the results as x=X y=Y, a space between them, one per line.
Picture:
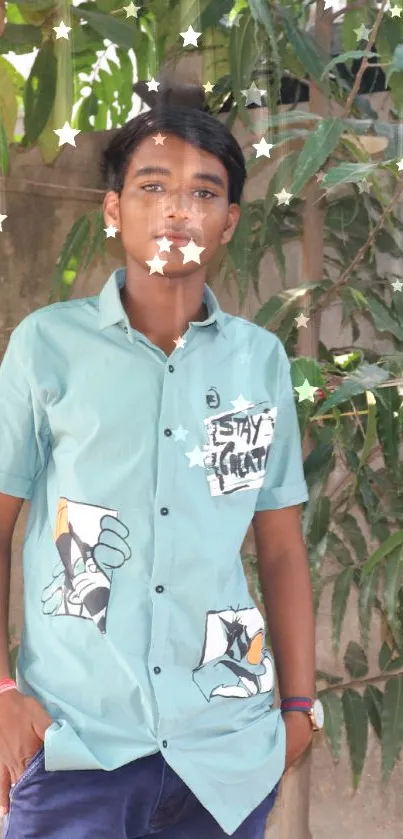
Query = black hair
x=181 y=110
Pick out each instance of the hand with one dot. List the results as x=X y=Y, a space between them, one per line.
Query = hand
x=299 y=735
x=23 y=723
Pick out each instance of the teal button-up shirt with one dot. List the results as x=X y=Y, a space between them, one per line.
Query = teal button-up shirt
x=144 y=473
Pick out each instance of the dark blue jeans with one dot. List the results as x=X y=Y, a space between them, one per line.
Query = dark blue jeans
x=140 y=799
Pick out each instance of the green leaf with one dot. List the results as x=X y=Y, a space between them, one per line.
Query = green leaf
x=373 y=699
x=242 y=59
x=97 y=242
x=213 y=13
x=20 y=38
x=285 y=118
x=8 y=101
x=385 y=656
x=316 y=150
x=320 y=522
x=261 y=13
x=352 y=532
x=70 y=256
x=392 y=724
x=125 y=34
x=4 y=150
x=397 y=62
x=306 y=49
x=346 y=56
x=367 y=596
x=87 y=109
x=365 y=377
x=383 y=320
x=333 y=710
x=39 y=93
x=348 y=173
x=387 y=403
x=370 y=439
x=340 y=597
x=393 y=582
x=278 y=305
x=356 y=720
x=355 y=661
x=385 y=549
x=337 y=548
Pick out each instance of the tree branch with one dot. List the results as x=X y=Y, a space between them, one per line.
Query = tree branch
x=368 y=680
x=364 y=63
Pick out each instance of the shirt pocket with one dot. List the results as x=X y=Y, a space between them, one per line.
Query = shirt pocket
x=238 y=445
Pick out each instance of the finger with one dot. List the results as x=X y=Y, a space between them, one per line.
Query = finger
x=110 y=523
x=5 y=784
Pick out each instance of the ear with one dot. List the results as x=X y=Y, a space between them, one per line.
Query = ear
x=111 y=209
x=234 y=212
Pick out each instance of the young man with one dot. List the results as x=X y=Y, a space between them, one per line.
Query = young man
x=148 y=429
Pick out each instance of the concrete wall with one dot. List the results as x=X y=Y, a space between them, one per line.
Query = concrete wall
x=41 y=203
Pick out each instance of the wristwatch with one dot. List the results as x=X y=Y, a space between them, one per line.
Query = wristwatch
x=312 y=707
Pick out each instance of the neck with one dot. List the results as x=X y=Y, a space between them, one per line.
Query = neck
x=161 y=307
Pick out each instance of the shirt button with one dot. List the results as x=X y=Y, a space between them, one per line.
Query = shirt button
x=167 y=432
x=164 y=511
x=165 y=743
x=157 y=670
x=171 y=368
x=159 y=589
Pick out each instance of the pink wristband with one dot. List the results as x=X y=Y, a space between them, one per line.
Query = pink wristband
x=7 y=684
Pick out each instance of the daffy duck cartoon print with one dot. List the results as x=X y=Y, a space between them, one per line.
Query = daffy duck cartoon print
x=234 y=661
x=92 y=543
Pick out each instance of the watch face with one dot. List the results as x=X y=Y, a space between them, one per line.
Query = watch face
x=318 y=713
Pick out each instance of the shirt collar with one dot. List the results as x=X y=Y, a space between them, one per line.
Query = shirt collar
x=111 y=310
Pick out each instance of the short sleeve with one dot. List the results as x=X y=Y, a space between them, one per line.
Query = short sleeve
x=24 y=443
x=284 y=482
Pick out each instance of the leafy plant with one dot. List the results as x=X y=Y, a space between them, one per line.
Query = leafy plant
x=353 y=524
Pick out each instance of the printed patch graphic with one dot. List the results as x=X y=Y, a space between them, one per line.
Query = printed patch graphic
x=92 y=543
x=234 y=661
x=238 y=448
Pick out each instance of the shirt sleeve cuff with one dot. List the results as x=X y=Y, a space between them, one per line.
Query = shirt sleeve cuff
x=16 y=485
x=284 y=496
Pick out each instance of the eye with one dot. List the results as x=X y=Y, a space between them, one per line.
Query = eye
x=206 y=192
x=145 y=187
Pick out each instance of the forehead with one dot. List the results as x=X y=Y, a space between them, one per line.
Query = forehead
x=177 y=155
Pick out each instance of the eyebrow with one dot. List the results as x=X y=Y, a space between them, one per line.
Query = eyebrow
x=160 y=170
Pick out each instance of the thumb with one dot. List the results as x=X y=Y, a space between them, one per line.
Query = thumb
x=5 y=784
x=40 y=721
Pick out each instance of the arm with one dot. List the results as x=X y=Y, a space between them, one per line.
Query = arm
x=285 y=580
x=9 y=511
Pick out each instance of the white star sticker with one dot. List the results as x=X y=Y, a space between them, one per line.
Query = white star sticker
x=2 y=218
x=208 y=87
x=180 y=433
x=164 y=245
x=283 y=197
x=263 y=147
x=301 y=320
x=62 y=31
x=196 y=457
x=306 y=391
x=66 y=134
x=397 y=285
x=362 y=33
x=191 y=252
x=364 y=186
x=253 y=95
x=159 y=139
x=190 y=37
x=400 y=164
x=395 y=11
x=131 y=10
x=180 y=343
x=111 y=231
x=156 y=265
x=241 y=404
x=153 y=85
